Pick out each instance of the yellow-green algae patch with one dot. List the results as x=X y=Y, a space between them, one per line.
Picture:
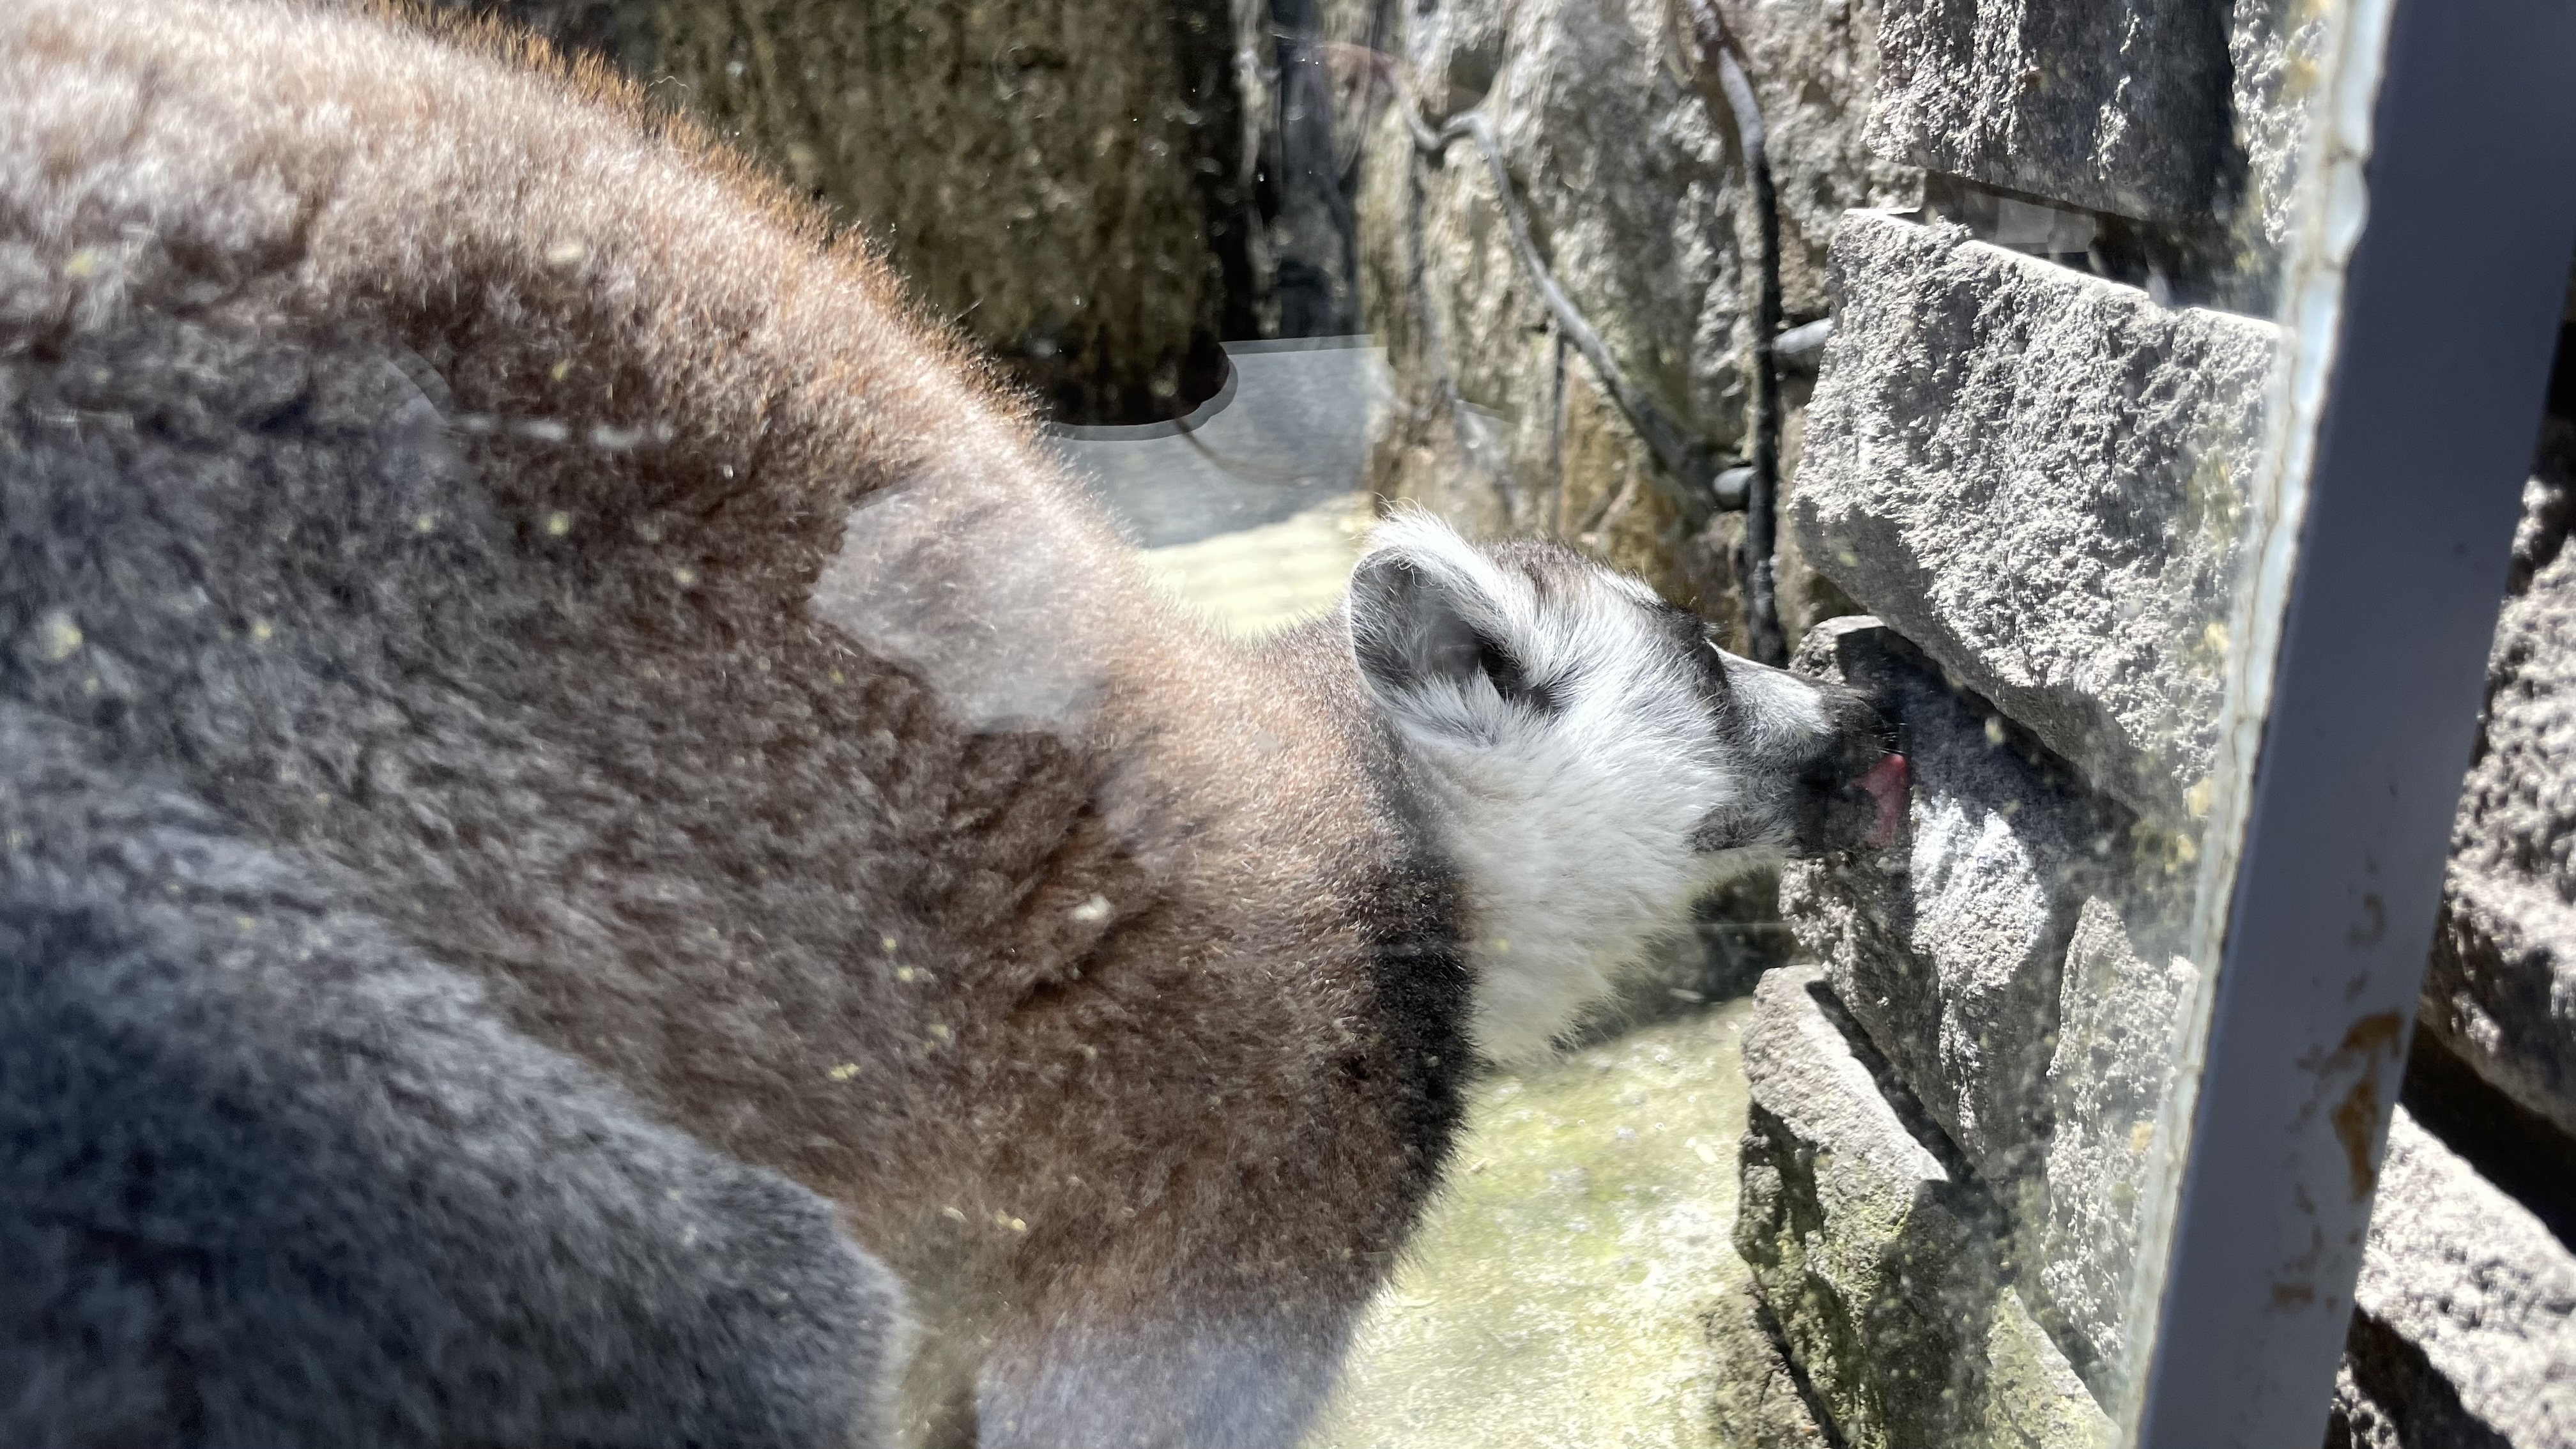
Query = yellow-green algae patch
x=1558 y=1291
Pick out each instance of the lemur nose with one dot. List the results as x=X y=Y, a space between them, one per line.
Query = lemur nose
x=1889 y=783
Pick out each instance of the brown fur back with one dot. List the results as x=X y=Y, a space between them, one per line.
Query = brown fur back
x=745 y=696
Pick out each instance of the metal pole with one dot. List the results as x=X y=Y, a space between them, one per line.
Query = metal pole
x=2450 y=305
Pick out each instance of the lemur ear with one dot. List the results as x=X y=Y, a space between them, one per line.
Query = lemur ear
x=1429 y=643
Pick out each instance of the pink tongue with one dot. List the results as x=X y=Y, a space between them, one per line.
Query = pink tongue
x=1886 y=783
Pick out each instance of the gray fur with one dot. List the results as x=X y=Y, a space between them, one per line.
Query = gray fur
x=486 y=541
x=274 y=1176
x=272 y=1179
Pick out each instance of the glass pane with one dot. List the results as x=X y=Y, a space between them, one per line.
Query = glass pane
x=1330 y=722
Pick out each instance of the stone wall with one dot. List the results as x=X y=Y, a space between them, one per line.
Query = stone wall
x=1637 y=200
x=2029 y=456
x=2040 y=240
x=2502 y=991
x=2037 y=237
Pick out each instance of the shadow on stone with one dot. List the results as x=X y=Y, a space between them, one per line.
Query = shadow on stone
x=2389 y=1396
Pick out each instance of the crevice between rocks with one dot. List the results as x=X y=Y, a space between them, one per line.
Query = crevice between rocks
x=1817 y=1410
x=2177 y=264
x=2009 y=1190
x=2389 y=1396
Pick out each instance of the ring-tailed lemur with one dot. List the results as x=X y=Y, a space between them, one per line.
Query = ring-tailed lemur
x=578 y=798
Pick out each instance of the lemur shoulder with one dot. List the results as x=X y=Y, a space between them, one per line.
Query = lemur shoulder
x=596 y=846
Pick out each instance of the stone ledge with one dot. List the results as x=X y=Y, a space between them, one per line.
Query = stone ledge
x=2038 y=476
x=1760 y=1402
x=2114 y=105
x=2123 y=1015
x=1878 y=1262
x=2501 y=988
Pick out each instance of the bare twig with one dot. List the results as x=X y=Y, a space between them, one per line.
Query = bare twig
x=1720 y=61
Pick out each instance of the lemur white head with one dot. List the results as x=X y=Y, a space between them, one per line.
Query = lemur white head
x=1593 y=762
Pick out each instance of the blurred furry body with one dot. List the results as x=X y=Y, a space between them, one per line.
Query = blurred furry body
x=526 y=636
x=437 y=476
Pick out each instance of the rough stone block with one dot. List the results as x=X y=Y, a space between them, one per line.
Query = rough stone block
x=1870 y=1253
x=1877 y=1258
x=2013 y=960
x=2276 y=53
x=1635 y=191
x=2115 y=105
x=2478 y=1287
x=2034 y=1400
x=1947 y=945
x=2501 y=990
x=2124 y=1007
x=2038 y=476
x=1758 y=1403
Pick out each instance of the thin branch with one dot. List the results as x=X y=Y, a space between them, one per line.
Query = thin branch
x=1756 y=562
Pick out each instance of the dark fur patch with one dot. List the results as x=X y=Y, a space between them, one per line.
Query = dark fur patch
x=1411 y=632
x=273 y=1178
x=1420 y=978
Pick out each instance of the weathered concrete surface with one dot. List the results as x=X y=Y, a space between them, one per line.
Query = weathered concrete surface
x=2124 y=1014
x=1560 y=1290
x=1946 y=946
x=2038 y=476
x=2115 y=105
x=2478 y=1287
x=2501 y=989
x=1636 y=196
x=1877 y=1260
